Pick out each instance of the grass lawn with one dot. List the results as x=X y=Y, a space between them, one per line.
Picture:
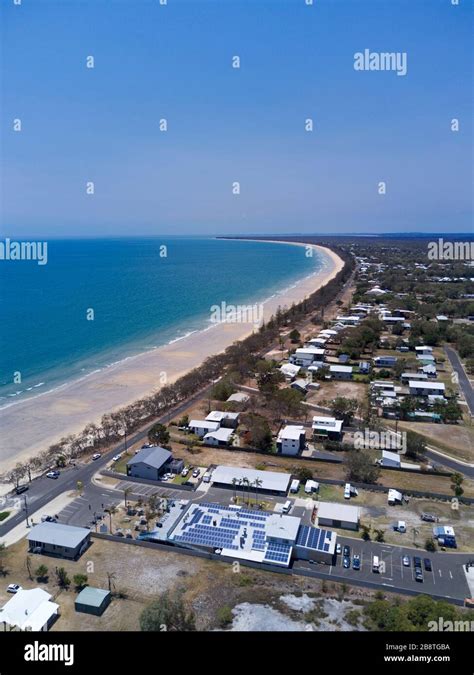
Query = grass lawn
x=121 y=465
x=4 y=515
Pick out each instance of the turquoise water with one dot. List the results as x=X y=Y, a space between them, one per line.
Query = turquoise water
x=140 y=300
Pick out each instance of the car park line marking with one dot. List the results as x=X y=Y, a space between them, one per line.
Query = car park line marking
x=450 y=574
x=434 y=579
x=439 y=572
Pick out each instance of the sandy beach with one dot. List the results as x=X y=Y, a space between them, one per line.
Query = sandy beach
x=30 y=426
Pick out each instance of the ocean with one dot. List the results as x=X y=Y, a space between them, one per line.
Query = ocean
x=99 y=301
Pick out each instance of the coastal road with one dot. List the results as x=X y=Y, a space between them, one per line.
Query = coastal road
x=42 y=490
x=463 y=378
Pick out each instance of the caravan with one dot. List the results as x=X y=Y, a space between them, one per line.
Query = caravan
x=375 y=564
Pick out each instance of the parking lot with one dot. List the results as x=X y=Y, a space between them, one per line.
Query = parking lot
x=446 y=578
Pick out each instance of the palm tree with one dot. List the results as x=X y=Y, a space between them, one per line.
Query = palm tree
x=111 y=511
x=246 y=484
x=234 y=483
x=126 y=492
x=258 y=483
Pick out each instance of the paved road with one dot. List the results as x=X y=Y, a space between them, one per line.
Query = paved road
x=42 y=490
x=449 y=463
x=463 y=379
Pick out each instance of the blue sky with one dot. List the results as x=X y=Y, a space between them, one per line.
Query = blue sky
x=228 y=125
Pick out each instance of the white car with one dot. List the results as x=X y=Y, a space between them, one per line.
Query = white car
x=185 y=472
x=14 y=588
x=116 y=458
x=96 y=455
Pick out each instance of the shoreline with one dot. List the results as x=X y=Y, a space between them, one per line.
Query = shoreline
x=68 y=408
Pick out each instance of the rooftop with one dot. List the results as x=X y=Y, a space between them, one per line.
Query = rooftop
x=58 y=534
x=291 y=432
x=154 y=457
x=335 y=511
x=270 y=480
x=93 y=597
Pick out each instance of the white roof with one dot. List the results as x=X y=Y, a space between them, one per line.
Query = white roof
x=280 y=526
x=310 y=350
x=271 y=480
x=299 y=383
x=423 y=348
x=218 y=416
x=392 y=456
x=328 y=331
x=335 y=511
x=239 y=397
x=331 y=423
x=290 y=369
x=29 y=609
x=422 y=384
x=203 y=424
x=394 y=495
x=291 y=432
x=340 y=369
x=58 y=534
x=221 y=434
x=425 y=357
x=317 y=341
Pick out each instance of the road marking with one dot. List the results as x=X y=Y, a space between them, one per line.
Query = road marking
x=450 y=574
x=439 y=572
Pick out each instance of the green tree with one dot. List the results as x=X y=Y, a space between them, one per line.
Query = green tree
x=80 y=580
x=361 y=467
x=344 y=408
x=430 y=545
x=167 y=613
x=295 y=335
x=158 y=434
x=416 y=445
x=41 y=573
x=62 y=578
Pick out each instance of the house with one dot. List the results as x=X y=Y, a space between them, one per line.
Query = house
x=428 y=370
x=424 y=416
x=422 y=388
x=406 y=377
x=300 y=385
x=291 y=439
x=92 y=601
x=317 y=342
x=56 y=539
x=29 y=610
x=348 y=320
x=202 y=427
x=332 y=514
x=344 y=358
x=442 y=318
x=385 y=361
x=425 y=358
x=392 y=320
x=364 y=367
x=220 y=437
x=290 y=370
x=225 y=419
x=238 y=397
x=423 y=349
x=152 y=463
x=327 y=428
x=341 y=372
x=376 y=291
x=382 y=387
x=305 y=356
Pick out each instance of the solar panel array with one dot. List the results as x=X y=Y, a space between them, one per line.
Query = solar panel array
x=313 y=537
x=278 y=553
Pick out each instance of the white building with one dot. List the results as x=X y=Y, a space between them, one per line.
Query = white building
x=423 y=349
x=331 y=514
x=220 y=437
x=202 y=427
x=422 y=388
x=327 y=427
x=290 y=370
x=291 y=439
x=29 y=610
x=305 y=356
x=225 y=419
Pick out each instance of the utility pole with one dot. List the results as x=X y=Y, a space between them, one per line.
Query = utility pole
x=26 y=511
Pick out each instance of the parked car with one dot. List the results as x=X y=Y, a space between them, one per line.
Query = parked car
x=185 y=472
x=48 y=519
x=53 y=474
x=428 y=517
x=356 y=562
x=346 y=562
x=347 y=551
x=418 y=574
x=338 y=549
x=14 y=588
x=196 y=473
x=406 y=561
x=20 y=489
x=116 y=458
x=427 y=563
x=96 y=455
x=416 y=562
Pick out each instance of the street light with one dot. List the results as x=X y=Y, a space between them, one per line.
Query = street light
x=26 y=511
